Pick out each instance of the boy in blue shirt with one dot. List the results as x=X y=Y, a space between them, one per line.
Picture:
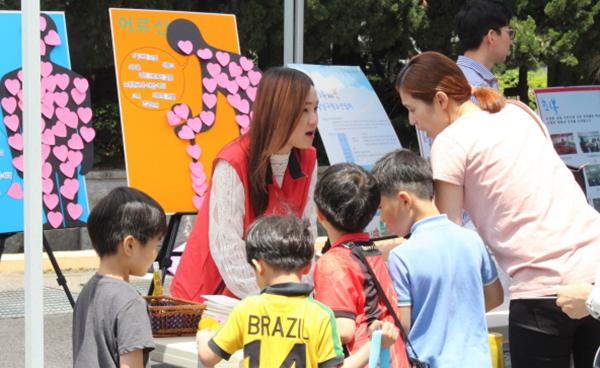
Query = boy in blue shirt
x=444 y=277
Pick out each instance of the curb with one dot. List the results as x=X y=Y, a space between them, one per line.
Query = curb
x=67 y=260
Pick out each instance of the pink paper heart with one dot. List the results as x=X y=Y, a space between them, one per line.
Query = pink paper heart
x=254 y=77
x=42 y=48
x=186 y=132
x=204 y=54
x=67 y=116
x=43 y=24
x=67 y=169
x=61 y=98
x=9 y=104
x=246 y=63
x=42 y=125
x=235 y=70
x=210 y=84
x=59 y=129
x=12 y=122
x=47 y=186
x=87 y=134
x=13 y=86
x=15 y=191
x=210 y=100
x=223 y=58
x=195 y=124
x=75 y=142
x=197 y=201
x=48 y=137
x=243 y=82
x=62 y=80
x=75 y=210
x=20 y=75
x=85 y=114
x=207 y=117
x=77 y=96
x=185 y=46
x=172 y=118
x=200 y=189
x=251 y=92
x=244 y=130
x=52 y=38
x=60 y=152
x=222 y=80
x=45 y=152
x=232 y=87
x=196 y=168
x=198 y=180
x=214 y=69
x=50 y=201
x=81 y=84
x=194 y=151
x=18 y=163
x=48 y=99
x=182 y=110
x=49 y=83
x=242 y=120
x=55 y=219
x=238 y=103
x=46 y=69
x=48 y=111
x=75 y=158
x=69 y=188
x=46 y=170
x=20 y=104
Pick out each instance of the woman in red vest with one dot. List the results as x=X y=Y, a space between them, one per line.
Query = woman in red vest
x=270 y=170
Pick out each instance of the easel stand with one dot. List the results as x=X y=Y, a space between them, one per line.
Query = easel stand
x=60 y=278
x=166 y=250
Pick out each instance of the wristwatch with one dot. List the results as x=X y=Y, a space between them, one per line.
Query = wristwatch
x=593 y=302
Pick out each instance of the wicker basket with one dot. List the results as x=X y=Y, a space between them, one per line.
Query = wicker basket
x=172 y=316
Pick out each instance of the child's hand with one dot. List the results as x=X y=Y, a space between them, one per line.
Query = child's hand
x=389 y=332
x=203 y=336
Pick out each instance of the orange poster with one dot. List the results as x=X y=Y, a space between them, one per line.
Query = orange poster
x=184 y=92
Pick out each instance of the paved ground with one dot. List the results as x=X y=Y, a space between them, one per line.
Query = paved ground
x=57 y=319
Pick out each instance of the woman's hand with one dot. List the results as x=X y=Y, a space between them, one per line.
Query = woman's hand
x=571 y=299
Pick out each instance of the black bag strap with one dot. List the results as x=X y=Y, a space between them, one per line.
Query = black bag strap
x=357 y=251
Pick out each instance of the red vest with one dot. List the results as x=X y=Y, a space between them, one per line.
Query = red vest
x=197 y=273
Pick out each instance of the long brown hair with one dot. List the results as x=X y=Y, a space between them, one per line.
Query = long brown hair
x=431 y=72
x=277 y=110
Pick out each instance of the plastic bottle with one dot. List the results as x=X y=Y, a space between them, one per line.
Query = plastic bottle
x=156 y=279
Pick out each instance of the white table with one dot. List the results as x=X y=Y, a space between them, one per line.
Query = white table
x=182 y=352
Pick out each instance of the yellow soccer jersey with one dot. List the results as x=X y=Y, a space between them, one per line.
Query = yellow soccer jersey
x=283 y=328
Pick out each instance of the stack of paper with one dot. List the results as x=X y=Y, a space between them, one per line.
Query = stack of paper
x=218 y=307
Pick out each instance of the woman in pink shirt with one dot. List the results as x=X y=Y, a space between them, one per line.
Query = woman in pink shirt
x=496 y=162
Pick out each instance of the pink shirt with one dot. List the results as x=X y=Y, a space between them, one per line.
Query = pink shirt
x=522 y=199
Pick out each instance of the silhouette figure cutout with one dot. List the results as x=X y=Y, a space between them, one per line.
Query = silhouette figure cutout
x=235 y=76
x=67 y=134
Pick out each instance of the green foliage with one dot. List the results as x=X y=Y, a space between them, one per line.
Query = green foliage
x=108 y=146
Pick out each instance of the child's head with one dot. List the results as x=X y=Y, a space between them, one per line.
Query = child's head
x=347 y=197
x=127 y=220
x=279 y=245
x=406 y=183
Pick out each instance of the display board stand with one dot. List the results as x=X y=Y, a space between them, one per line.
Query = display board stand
x=166 y=250
x=60 y=278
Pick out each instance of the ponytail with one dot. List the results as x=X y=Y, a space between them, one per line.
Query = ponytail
x=489 y=99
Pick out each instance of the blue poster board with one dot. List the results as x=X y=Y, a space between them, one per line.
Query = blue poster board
x=64 y=213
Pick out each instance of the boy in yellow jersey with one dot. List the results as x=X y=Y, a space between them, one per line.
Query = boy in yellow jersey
x=283 y=326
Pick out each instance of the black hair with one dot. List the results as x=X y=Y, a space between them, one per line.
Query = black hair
x=122 y=212
x=283 y=242
x=475 y=20
x=404 y=170
x=348 y=196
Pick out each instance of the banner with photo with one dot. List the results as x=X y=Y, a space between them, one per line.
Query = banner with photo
x=353 y=125
x=572 y=116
